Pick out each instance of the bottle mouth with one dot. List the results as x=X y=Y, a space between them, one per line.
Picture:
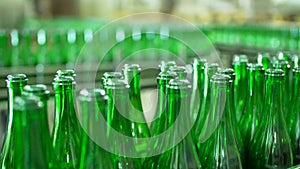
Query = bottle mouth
x=281 y=64
x=115 y=75
x=221 y=79
x=27 y=103
x=213 y=67
x=38 y=89
x=296 y=70
x=132 y=68
x=64 y=80
x=240 y=60
x=178 y=84
x=116 y=84
x=66 y=72
x=253 y=67
x=227 y=71
x=165 y=66
x=275 y=73
x=92 y=94
x=16 y=79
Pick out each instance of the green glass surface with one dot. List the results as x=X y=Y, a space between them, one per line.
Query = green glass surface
x=183 y=154
x=219 y=148
x=240 y=84
x=31 y=140
x=15 y=84
x=199 y=66
x=230 y=72
x=91 y=104
x=252 y=111
x=271 y=146
x=264 y=59
x=66 y=135
x=293 y=120
x=119 y=114
x=210 y=70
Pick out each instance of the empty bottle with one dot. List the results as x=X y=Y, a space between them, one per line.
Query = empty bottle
x=293 y=118
x=240 y=68
x=252 y=111
x=219 y=148
x=66 y=136
x=271 y=146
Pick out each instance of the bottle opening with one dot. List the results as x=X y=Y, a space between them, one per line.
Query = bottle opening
x=220 y=79
x=275 y=72
x=16 y=79
x=66 y=72
x=64 y=80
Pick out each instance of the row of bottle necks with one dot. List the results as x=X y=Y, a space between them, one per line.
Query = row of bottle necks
x=232 y=118
x=61 y=46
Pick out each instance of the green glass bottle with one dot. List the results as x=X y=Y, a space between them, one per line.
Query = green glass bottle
x=198 y=75
x=285 y=66
x=293 y=120
x=66 y=72
x=180 y=72
x=271 y=146
x=165 y=65
x=119 y=118
x=252 y=111
x=15 y=84
x=240 y=68
x=31 y=144
x=91 y=104
x=198 y=85
x=210 y=70
x=42 y=50
x=230 y=72
x=264 y=59
x=110 y=75
x=66 y=136
x=4 y=50
x=182 y=154
x=132 y=74
x=219 y=148
x=159 y=125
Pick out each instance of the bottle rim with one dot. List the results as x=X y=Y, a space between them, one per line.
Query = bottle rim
x=220 y=79
x=274 y=72
x=16 y=79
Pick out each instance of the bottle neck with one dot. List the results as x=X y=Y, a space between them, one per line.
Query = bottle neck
x=255 y=84
x=65 y=100
x=296 y=87
x=133 y=79
x=273 y=101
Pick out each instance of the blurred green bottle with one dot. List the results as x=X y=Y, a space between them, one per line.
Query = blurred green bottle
x=271 y=146
x=264 y=59
x=91 y=104
x=66 y=72
x=252 y=111
x=165 y=65
x=293 y=119
x=110 y=75
x=15 y=84
x=240 y=84
x=66 y=136
x=219 y=148
x=4 y=48
x=31 y=140
x=180 y=72
x=210 y=70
